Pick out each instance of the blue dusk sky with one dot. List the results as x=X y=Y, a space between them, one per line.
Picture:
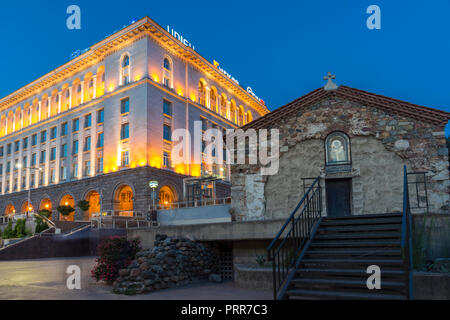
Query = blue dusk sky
x=282 y=49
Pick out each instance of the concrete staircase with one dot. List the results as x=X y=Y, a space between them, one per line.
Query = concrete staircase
x=335 y=264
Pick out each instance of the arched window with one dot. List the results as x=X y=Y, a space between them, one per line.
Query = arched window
x=337 y=147
x=213 y=99
x=125 y=70
x=249 y=116
x=233 y=109
x=201 y=93
x=223 y=106
x=167 y=65
x=167 y=72
x=241 y=116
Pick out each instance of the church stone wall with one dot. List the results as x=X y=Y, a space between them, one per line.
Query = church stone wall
x=381 y=144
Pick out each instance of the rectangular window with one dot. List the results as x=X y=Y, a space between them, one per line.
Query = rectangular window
x=87 y=143
x=53 y=133
x=41 y=178
x=33 y=160
x=63 y=173
x=167 y=133
x=87 y=168
x=125 y=158
x=24 y=182
x=100 y=165
x=1 y=170
x=43 y=156
x=75 y=125
x=64 y=150
x=25 y=143
x=33 y=181
x=75 y=147
x=125 y=131
x=16 y=146
x=204 y=124
x=52 y=175
x=100 y=140
x=16 y=164
x=100 y=116
x=75 y=170
x=87 y=120
x=8 y=149
x=25 y=162
x=167 y=107
x=34 y=140
x=43 y=136
x=166 y=160
x=52 y=154
x=1 y=151
x=64 y=129
x=124 y=106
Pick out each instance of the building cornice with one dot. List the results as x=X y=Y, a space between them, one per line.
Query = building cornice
x=143 y=27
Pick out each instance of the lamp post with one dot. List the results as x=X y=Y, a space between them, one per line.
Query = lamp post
x=153 y=185
x=20 y=166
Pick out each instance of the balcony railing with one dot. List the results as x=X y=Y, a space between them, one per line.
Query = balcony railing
x=191 y=204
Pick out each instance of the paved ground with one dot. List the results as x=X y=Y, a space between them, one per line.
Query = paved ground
x=46 y=280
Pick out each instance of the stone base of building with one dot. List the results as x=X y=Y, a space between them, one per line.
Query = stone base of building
x=125 y=190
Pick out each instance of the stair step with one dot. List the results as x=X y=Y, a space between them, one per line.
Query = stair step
x=358 y=228
x=341 y=295
x=355 y=252
x=349 y=272
x=374 y=261
x=368 y=221
x=366 y=216
x=365 y=235
x=356 y=243
x=346 y=283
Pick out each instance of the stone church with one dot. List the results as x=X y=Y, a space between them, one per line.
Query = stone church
x=358 y=143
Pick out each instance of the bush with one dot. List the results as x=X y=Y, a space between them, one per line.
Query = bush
x=65 y=210
x=83 y=205
x=41 y=225
x=19 y=230
x=115 y=253
x=8 y=233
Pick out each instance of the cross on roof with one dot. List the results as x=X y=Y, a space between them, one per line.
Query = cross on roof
x=330 y=84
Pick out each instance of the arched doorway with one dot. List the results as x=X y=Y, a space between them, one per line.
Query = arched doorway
x=26 y=207
x=46 y=204
x=166 y=196
x=10 y=210
x=93 y=197
x=123 y=201
x=67 y=200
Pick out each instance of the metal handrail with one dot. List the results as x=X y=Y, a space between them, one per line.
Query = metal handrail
x=406 y=239
x=288 y=244
x=192 y=204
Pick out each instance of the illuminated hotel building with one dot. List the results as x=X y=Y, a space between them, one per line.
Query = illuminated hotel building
x=99 y=127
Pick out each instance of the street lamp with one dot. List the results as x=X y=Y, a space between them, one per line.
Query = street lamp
x=20 y=166
x=153 y=185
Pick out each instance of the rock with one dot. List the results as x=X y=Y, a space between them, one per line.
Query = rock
x=215 y=278
x=171 y=263
x=135 y=272
x=124 y=272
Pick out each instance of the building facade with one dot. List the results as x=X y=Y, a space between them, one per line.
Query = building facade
x=100 y=127
x=358 y=144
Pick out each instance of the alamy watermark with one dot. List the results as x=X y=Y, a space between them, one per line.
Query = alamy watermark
x=242 y=147
x=73 y=22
